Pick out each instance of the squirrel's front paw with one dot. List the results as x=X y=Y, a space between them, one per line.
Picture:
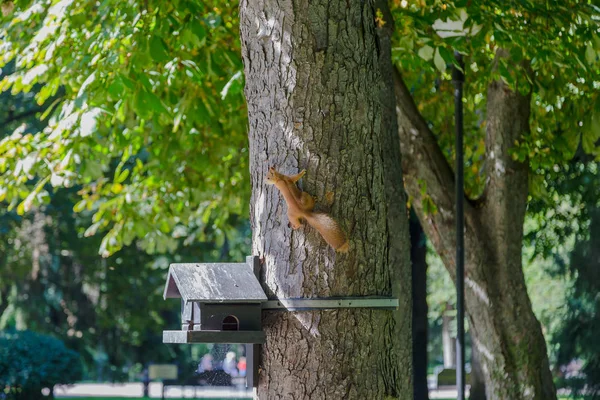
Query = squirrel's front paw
x=294 y=226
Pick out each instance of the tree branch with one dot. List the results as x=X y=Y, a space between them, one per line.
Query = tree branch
x=507 y=183
x=23 y=115
x=429 y=178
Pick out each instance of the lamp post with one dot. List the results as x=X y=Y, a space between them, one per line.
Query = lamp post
x=458 y=79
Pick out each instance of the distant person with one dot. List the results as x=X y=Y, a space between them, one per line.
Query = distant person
x=242 y=366
x=206 y=363
x=146 y=382
x=230 y=365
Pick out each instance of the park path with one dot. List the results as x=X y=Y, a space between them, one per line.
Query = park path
x=135 y=390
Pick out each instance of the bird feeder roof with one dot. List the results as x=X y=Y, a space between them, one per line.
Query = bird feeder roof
x=214 y=283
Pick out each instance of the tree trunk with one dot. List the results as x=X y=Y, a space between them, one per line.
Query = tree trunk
x=418 y=258
x=320 y=98
x=504 y=329
x=448 y=339
x=477 y=381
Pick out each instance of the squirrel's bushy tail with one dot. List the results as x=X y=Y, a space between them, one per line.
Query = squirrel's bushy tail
x=329 y=229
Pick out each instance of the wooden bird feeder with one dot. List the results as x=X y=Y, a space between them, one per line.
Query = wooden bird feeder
x=220 y=303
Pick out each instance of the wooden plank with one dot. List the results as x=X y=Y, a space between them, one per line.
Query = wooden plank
x=252 y=365
x=241 y=337
x=254 y=263
x=315 y=304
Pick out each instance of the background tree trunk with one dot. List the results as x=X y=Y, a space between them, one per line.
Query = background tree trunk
x=448 y=338
x=320 y=97
x=477 y=381
x=418 y=258
x=504 y=329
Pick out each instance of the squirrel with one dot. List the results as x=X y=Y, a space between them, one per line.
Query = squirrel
x=300 y=208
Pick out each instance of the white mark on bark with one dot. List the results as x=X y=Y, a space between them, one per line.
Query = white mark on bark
x=478 y=290
x=446 y=214
x=483 y=351
x=259 y=210
x=264 y=27
x=260 y=29
x=413 y=137
x=309 y=322
x=499 y=168
x=528 y=391
x=277 y=48
x=270 y=278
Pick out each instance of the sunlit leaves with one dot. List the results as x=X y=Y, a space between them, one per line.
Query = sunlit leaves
x=147 y=100
x=553 y=50
x=439 y=62
x=152 y=116
x=426 y=53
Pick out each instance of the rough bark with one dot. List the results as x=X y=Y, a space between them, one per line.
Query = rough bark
x=418 y=258
x=320 y=97
x=477 y=381
x=505 y=331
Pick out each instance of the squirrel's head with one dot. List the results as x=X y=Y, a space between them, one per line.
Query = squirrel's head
x=273 y=176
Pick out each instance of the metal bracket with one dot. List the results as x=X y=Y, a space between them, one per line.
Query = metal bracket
x=321 y=304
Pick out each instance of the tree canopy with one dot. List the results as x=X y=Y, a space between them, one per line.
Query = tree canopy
x=146 y=115
x=553 y=49
x=145 y=110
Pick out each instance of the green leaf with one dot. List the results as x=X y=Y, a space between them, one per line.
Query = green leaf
x=26 y=204
x=92 y=169
x=87 y=124
x=115 y=89
x=590 y=54
x=80 y=206
x=234 y=85
x=90 y=79
x=141 y=107
x=91 y=231
x=426 y=52
x=177 y=120
x=158 y=49
x=130 y=84
x=198 y=29
x=122 y=176
x=447 y=55
x=591 y=135
x=439 y=61
x=154 y=102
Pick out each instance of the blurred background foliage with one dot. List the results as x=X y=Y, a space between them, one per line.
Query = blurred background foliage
x=123 y=148
x=30 y=361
